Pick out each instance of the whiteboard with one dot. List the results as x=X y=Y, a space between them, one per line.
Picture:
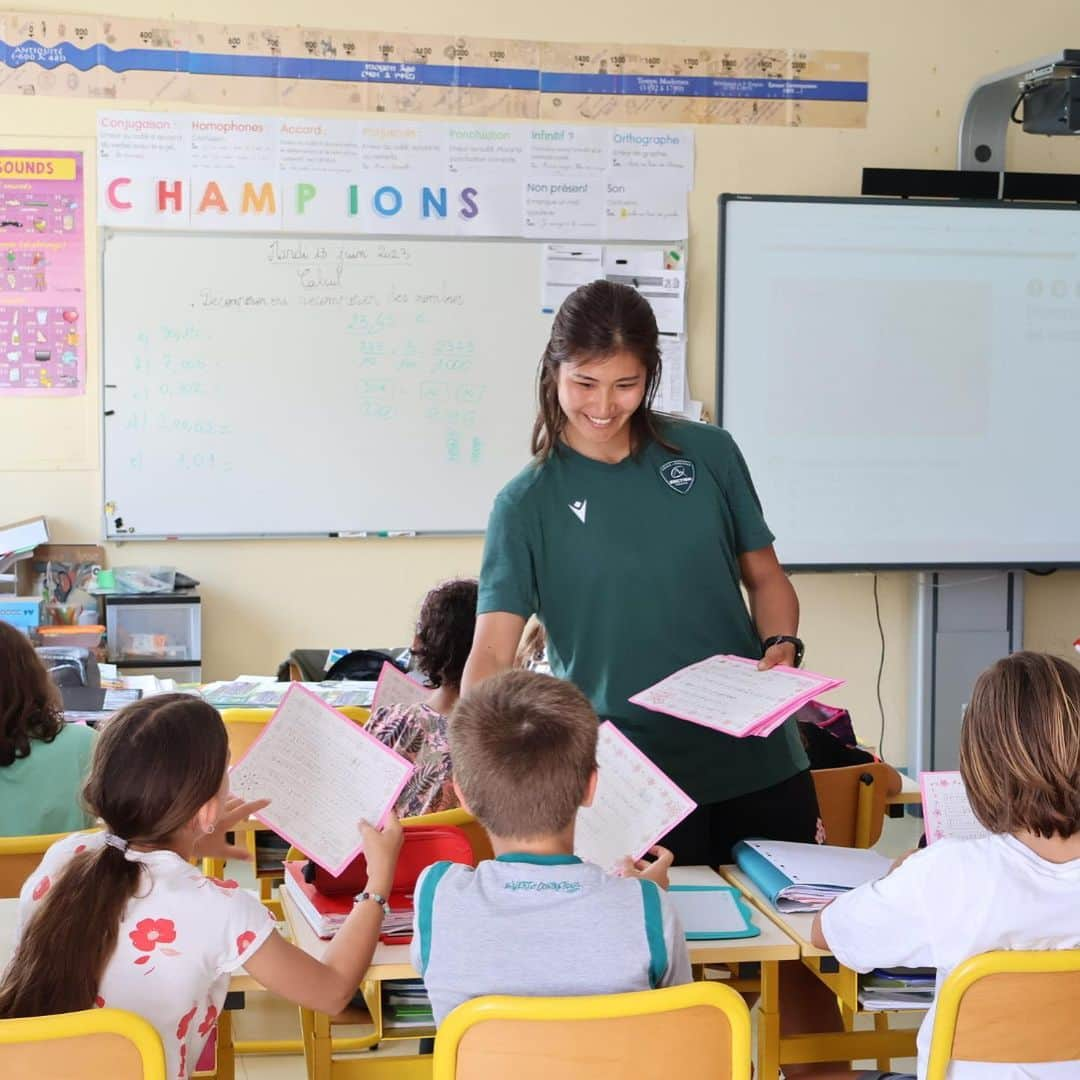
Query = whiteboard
x=902 y=378
x=305 y=385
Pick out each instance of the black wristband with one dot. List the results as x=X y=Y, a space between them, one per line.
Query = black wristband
x=786 y=639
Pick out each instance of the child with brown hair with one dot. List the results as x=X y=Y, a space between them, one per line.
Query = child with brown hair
x=43 y=760
x=535 y=919
x=121 y=917
x=444 y=634
x=1018 y=888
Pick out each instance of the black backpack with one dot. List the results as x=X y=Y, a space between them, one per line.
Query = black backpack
x=362 y=665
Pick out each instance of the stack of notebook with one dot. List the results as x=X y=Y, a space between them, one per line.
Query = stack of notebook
x=805 y=877
x=325 y=914
x=407 y=1004
x=258 y=692
x=897 y=988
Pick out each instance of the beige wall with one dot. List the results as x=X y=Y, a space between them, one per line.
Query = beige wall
x=261 y=599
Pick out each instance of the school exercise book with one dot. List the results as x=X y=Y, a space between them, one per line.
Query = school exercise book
x=729 y=694
x=635 y=804
x=946 y=809
x=396 y=688
x=326 y=914
x=323 y=773
x=805 y=877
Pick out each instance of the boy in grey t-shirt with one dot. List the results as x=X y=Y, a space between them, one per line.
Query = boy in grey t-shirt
x=536 y=920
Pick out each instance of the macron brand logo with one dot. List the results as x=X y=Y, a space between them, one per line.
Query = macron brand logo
x=578 y=509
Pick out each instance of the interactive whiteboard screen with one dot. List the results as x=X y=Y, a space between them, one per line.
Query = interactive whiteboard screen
x=903 y=378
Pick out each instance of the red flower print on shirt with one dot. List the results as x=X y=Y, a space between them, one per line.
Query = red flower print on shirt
x=227 y=884
x=208 y=1021
x=149 y=933
x=41 y=888
x=99 y=1002
x=185 y=1022
x=80 y=849
x=244 y=940
x=183 y=1060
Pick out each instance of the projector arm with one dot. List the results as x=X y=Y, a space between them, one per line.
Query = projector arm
x=989 y=105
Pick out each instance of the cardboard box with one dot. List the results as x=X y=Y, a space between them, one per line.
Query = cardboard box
x=61 y=574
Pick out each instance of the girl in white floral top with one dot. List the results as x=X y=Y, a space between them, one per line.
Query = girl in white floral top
x=444 y=634
x=122 y=918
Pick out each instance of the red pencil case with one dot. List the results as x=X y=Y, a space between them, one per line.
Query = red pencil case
x=420 y=848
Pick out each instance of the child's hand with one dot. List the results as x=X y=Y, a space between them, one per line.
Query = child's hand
x=236 y=810
x=651 y=871
x=381 y=847
x=214 y=845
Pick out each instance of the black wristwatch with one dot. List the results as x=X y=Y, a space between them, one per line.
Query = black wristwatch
x=786 y=639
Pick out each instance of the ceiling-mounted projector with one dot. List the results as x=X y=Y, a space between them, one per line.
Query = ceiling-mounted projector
x=1051 y=97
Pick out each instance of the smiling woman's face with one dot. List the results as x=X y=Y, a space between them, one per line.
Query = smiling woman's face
x=599 y=397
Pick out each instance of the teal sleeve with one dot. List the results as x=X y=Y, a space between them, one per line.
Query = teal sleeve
x=424 y=913
x=507 y=574
x=751 y=532
x=654 y=932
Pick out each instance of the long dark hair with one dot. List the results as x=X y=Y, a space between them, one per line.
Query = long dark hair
x=156 y=764
x=29 y=700
x=444 y=632
x=594 y=322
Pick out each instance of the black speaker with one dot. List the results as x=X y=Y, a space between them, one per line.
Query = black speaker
x=931 y=183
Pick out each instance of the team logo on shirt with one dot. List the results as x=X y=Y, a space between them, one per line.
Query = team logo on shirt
x=579 y=509
x=679 y=475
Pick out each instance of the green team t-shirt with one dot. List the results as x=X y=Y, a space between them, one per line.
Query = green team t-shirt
x=633 y=570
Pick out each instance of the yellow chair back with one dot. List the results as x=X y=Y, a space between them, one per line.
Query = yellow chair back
x=244 y=726
x=1008 y=1007
x=19 y=857
x=702 y=1029
x=70 y=1046
x=851 y=801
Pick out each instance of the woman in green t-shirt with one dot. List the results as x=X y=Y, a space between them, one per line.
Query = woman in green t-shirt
x=629 y=535
x=43 y=759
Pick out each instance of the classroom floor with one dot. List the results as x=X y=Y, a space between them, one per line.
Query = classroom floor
x=267 y=1017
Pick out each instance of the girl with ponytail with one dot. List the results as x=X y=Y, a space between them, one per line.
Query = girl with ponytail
x=122 y=917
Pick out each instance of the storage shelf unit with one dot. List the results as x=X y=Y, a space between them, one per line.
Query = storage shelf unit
x=156 y=634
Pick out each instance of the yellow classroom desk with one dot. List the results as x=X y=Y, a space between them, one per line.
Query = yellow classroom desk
x=880 y=1044
x=392 y=962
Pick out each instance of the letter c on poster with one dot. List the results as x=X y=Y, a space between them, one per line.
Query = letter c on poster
x=113 y=196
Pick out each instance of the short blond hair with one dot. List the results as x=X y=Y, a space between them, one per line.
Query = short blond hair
x=1020 y=746
x=523 y=746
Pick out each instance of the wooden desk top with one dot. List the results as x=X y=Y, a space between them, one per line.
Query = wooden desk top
x=393 y=962
x=909 y=793
x=796 y=925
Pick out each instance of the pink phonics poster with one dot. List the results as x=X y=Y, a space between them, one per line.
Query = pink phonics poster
x=42 y=273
